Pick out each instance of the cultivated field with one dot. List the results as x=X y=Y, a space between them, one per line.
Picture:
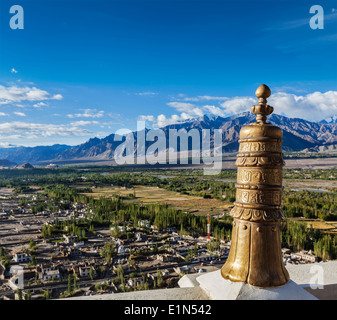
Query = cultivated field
x=148 y=195
x=310 y=184
x=323 y=226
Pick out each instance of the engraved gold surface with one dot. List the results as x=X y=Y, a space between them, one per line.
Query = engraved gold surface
x=264 y=197
x=247 y=160
x=267 y=176
x=255 y=254
x=249 y=213
x=255 y=146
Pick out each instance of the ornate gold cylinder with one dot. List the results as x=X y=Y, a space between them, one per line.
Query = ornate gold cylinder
x=255 y=254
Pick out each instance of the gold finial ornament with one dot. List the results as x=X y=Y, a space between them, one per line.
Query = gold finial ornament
x=262 y=110
x=255 y=255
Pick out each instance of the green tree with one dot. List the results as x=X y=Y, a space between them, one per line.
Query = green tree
x=47 y=294
x=70 y=289
x=120 y=274
x=91 y=273
x=19 y=294
x=32 y=245
x=28 y=295
x=33 y=261
x=160 y=281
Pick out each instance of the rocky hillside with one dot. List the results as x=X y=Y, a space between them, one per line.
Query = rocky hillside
x=298 y=135
x=32 y=154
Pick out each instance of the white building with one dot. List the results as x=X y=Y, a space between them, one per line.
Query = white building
x=85 y=271
x=51 y=275
x=134 y=282
x=70 y=239
x=304 y=255
x=49 y=272
x=78 y=244
x=122 y=249
x=21 y=257
x=139 y=237
x=144 y=223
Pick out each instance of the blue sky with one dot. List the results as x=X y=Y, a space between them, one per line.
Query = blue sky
x=84 y=68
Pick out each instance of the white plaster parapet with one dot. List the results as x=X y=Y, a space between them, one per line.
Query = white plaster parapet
x=194 y=293
x=218 y=288
x=318 y=279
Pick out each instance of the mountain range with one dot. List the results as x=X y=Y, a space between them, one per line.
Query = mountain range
x=298 y=135
x=332 y=119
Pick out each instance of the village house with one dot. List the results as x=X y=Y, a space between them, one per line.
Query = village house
x=84 y=271
x=21 y=257
x=78 y=244
x=134 y=282
x=184 y=269
x=74 y=252
x=70 y=239
x=49 y=272
x=50 y=275
x=77 y=205
x=171 y=229
x=202 y=257
x=153 y=275
x=174 y=239
x=4 y=215
x=45 y=267
x=122 y=249
x=165 y=257
x=139 y=237
x=304 y=256
x=144 y=223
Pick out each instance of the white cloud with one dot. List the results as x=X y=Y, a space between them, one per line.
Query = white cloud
x=17 y=94
x=23 y=130
x=11 y=137
x=182 y=97
x=186 y=107
x=114 y=115
x=5 y=145
x=2 y=114
x=88 y=113
x=181 y=106
x=146 y=118
x=5 y=101
x=14 y=71
x=313 y=106
x=193 y=99
x=147 y=93
x=198 y=112
x=20 y=114
x=162 y=120
x=215 y=110
x=40 y=104
x=238 y=104
x=207 y=98
x=57 y=97
x=83 y=123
